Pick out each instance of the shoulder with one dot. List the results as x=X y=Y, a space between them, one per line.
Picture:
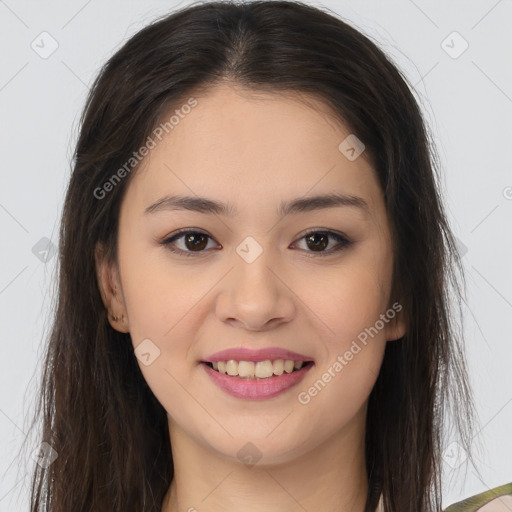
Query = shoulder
x=498 y=499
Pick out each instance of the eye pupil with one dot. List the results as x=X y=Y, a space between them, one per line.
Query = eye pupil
x=190 y=238
x=314 y=237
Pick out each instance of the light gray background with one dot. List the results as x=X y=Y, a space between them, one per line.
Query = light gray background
x=467 y=101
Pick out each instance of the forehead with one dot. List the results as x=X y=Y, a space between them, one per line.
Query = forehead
x=240 y=145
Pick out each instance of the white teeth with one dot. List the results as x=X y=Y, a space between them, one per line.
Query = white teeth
x=288 y=366
x=260 y=369
x=246 y=369
x=278 y=367
x=232 y=368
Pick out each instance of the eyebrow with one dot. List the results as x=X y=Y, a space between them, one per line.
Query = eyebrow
x=295 y=206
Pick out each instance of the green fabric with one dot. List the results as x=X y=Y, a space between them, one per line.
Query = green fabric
x=476 y=502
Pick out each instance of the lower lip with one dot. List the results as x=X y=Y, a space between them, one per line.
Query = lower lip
x=256 y=389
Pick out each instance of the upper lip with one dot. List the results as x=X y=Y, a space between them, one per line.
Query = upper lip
x=263 y=354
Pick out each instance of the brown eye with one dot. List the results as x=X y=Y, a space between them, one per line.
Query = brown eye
x=193 y=242
x=317 y=241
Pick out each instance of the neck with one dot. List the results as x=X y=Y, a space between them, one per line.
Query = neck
x=331 y=477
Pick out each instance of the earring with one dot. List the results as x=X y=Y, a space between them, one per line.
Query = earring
x=115 y=318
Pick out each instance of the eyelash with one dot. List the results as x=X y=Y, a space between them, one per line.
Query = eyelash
x=343 y=241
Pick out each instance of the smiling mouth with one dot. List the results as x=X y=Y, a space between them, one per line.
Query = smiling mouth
x=260 y=370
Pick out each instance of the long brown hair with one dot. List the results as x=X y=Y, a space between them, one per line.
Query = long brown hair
x=98 y=413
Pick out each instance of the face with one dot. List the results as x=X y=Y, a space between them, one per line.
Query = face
x=252 y=277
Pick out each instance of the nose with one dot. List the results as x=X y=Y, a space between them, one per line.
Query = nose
x=255 y=296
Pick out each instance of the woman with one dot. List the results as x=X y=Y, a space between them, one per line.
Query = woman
x=255 y=262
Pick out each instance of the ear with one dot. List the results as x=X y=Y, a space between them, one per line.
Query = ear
x=109 y=284
x=396 y=328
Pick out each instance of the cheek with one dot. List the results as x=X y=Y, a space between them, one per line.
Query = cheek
x=159 y=293
x=165 y=307
x=348 y=299
x=339 y=392
x=349 y=303
x=353 y=347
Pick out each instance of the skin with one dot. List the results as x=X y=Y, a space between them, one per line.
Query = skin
x=255 y=151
